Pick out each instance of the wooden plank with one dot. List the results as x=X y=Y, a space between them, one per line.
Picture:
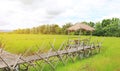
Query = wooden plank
x=5 y=62
x=11 y=58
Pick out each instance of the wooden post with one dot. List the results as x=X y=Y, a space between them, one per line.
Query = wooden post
x=79 y=37
x=81 y=54
x=46 y=61
x=41 y=46
x=57 y=53
x=1 y=50
x=91 y=49
x=16 y=62
x=69 y=55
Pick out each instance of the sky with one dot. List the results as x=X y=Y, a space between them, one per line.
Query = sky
x=16 y=14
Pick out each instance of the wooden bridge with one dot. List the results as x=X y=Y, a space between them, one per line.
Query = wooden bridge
x=12 y=62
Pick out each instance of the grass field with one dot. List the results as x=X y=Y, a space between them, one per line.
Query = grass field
x=107 y=60
x=16 y=43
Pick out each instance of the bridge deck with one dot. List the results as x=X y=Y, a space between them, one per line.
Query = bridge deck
x=11 y=58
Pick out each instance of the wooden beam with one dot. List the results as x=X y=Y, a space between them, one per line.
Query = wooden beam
x=46 y=61
x=57 y=53
x=5 y=62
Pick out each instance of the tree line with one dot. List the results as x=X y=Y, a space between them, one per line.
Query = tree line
x=107 y=27
x=45 y=29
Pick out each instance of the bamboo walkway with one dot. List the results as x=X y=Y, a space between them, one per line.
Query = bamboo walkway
x=10 y=62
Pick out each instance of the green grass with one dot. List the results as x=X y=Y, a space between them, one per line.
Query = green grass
x=107 y=60
x=16 y=43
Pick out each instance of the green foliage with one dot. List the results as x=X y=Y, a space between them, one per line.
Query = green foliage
x=107 y=60
x=64 y=27
x=108 y=27
x=106 y=22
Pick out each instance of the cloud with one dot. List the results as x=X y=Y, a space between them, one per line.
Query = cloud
x=27 y=2
x=28 y=13
x=54 y=12
x=3 y=23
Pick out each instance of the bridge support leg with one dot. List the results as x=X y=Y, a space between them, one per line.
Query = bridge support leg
x=5 y=69
x=81 y=55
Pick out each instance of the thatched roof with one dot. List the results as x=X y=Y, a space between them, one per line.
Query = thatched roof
x=80 y=26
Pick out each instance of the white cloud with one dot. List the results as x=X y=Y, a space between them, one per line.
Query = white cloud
x=28 y=13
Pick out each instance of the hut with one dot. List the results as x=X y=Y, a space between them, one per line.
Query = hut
x=79 y=27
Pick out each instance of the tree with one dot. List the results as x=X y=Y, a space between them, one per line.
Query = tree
x=92 y=24
x=106 y=22
x=64 y=27
x=98 y=29
x=107 y=27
